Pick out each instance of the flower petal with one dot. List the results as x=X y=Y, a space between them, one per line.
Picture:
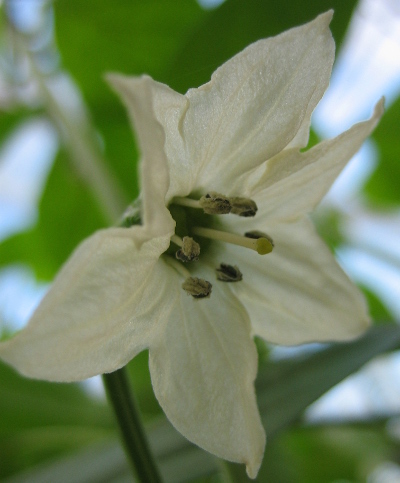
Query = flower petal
x=136 y=92
x=203 y=364
x=298 y=293
x=293 y=183
x=256 y=103
x=99 y=312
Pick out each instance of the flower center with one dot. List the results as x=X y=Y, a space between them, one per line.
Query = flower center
x=196 y=220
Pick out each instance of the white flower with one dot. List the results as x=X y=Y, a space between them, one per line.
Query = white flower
x=121 y=291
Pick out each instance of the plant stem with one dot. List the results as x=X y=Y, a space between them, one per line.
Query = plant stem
x=125 y=408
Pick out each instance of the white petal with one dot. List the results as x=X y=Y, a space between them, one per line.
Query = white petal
x=136 y=92
x=203 y=364
x=256 y=103
x=99 y=312
x=294 y=182
x=298 y=293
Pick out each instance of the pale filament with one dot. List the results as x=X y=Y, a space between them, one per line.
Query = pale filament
x=261 y=245
x=177 y=240
x=178 y=266
x=189 y=202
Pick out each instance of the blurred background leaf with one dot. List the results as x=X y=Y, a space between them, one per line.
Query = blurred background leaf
x=96 y=37
x=39 y=421
x=235 y=24
x=382 y=187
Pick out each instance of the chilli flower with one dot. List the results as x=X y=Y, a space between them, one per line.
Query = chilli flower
x=187 y=282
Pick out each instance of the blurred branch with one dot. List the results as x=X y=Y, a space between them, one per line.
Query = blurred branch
x=79 y=138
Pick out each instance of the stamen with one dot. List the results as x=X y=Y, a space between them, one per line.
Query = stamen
x=190 y=250
x=243 y=207
x=189 y=202
x=197 y=287
x=261 y=245
x=255 y=234
x=215 y=204
x=228 y=273
x=212 y=203
x=177 y=240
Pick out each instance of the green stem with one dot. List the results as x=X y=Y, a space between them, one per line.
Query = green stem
x=125 y=408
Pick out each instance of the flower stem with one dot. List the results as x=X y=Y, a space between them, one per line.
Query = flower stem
x=125 y=408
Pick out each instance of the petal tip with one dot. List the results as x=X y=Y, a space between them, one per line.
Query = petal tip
x=124 y=84
x=114 y=79
x=379 y=107
x=253 y=463
x=326 y=17
x=253 y=467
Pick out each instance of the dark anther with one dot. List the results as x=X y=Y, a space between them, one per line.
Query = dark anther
x=243 y=207
x=229 y=273
x=215 y=204
x=190 y=250
x=197 y=287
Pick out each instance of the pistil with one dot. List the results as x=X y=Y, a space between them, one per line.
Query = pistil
x=261 y=245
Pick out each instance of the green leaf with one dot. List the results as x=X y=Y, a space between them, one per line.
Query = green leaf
x=41 y=420
x=236 y=23
x=9 y=121
x=383 y=187
x=285 y=389
x=178 y=459
x=99 y=36
x=378 y=310
x=31 y=403
x=324 y=454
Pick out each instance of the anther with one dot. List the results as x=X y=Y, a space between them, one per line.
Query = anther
x=243 y=207
x=189 y=251
x=255 y=235
x=229 y=273
x=215 y=204
x=261 y=245
x=197 y=287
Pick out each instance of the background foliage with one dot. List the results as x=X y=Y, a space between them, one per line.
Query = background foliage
x=55 y=432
